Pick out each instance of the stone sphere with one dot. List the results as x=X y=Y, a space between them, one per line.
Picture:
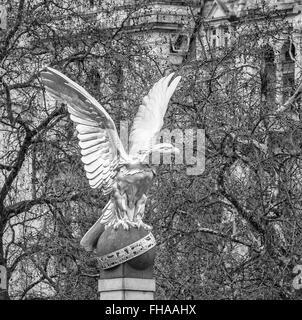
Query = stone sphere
x=112 y=240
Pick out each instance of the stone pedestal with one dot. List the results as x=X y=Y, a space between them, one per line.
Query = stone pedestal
x=126 y=260
x=125 y=282
x=279 y=73
x=126 y=289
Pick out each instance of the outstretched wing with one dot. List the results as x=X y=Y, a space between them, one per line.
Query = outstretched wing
x=150 y=117
x=100 y=145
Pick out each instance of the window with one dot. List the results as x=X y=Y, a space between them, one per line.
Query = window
x=226 y=42
x=212 y=35
x=94 y=78
x=287 y=53
x=288 y=85
x=180 y=43
x=268 y=73
x=289 y=80
x=290 y=53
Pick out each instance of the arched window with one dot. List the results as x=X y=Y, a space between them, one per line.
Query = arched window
x=288 y=53
x=94 y=78
x=268 y=74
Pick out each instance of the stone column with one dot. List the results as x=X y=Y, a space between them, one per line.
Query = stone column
x=126 y=259
x=279 y=73
x=297 y=42
x=126 y=283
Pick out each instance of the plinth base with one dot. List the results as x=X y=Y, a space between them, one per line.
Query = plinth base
x=126 y=289
x=126 y=259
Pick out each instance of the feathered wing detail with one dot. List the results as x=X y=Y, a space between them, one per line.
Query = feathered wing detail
x=150 y=116
x=101 y=147
x=89 y=241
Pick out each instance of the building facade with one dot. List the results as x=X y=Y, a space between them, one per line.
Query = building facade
x=169 y=30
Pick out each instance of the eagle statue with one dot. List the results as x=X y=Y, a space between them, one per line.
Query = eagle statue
x=125 y=176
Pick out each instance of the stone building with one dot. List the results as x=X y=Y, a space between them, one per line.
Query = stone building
x=167 y=27
x=283 y=55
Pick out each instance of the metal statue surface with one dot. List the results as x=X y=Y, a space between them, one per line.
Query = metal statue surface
x=123 y=175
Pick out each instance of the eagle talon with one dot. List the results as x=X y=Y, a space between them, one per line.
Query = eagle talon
x=121 y=223
x=141 y=224
x=126 y=224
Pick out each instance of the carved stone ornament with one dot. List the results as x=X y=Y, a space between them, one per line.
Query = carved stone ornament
x=127 y=253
